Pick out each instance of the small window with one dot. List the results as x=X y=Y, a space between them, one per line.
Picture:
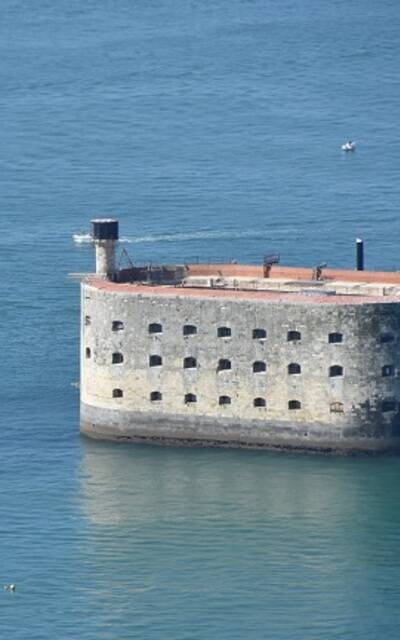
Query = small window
x=117 y=393
x=389 y=405
x=88 y=320
x=294 y=368
x=259 y=366
x=88 y=352
x=259 y=402
x=387 y=370
x=224 y=365
x=386 y=337
x=334 y=338
x=190 y=398
x=189 y=330
x=259 y=334
x=155 y=327
x=335 y=371
x=117 y=358
x=293 y=336
x=294 y=404
x=224 y=400
x=336 y=407
x=117 y=325
x=224 y=332
x=155 y=396
x=155 y=361
x=189 y=363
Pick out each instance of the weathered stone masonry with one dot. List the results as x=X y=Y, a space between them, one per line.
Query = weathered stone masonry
x=335 y=388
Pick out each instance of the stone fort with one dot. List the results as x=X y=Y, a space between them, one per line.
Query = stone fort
x=256 y=356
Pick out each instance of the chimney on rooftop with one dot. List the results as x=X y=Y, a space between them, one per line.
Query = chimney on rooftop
x=359 y=254
x=105 y=237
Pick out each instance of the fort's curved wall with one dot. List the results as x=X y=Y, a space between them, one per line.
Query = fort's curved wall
x=357 y=410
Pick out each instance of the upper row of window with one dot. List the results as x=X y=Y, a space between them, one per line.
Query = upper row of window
x=225 y=332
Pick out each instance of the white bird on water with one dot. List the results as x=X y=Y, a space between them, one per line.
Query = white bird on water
x=10 y=587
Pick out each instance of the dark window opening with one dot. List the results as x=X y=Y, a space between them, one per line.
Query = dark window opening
x=117 y=393
x=117 y=325
x=387 y=370
x=259 y=366
x=189 y=363
x=334 y=338
x=87 y=320
x=336 y=407
x=189 y=330
x=335 y=371
x=155 y=327
x=88 y=352
x=224 y=332
x=224 y=400
x=389 y=405
x=117 y=358
x=293 y=368
x=224 y=365
x=155 y=361
x=259 y=334
x=155 y=396
x=259 y=402
x=293 y=336
x=386 y=337
x=294 y=404
x=190 y=397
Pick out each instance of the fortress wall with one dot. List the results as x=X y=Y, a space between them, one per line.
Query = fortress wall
x=361 y=389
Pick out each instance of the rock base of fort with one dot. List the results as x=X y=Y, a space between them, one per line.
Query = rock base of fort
x=200 y=431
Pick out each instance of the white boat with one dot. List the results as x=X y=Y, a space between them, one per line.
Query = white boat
x=82 y=238
x=349 y=146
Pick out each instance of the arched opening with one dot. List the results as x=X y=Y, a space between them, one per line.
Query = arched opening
x=259 y=334
x=224 y=400
x=293 y=336
x=155 y=361
x=294 y=404
x=117 y=325
x=259 y=402
x=189 y=363
x=190 y=398
x=155 y=396
x=189 y=330
x=335 y=371
x=117 y=358
x=224 y=365
x=334 y=338
x=259 y=366
x=336 y=407
x=155 y=327
x=117 y=393
x=294 y=368
x=224 y=332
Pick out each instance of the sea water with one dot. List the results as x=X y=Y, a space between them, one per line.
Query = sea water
x=212 y=130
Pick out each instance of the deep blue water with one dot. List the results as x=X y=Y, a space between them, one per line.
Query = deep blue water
x=212 y=130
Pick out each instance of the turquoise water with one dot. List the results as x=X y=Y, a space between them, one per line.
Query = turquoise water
x=212 y=130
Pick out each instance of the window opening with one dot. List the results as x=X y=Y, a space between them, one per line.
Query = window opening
x=259 y=402
x=294 y=404
x=336 y=407
x=117 y=325
x=117 y=358
x=224 y=400
x=155 y=361
x=387 y=370
x=224 y=332
x=294 y=368
x=334 y=338
x=224 y=365
x=335 y=371
x=189 y=330
x=190 y=398
x=117 y=393
x=88 y=320
x=88 y=352
x=259 y=334
x=294 y=336
x=259 y=366
x=155 y=396
x=189 y=363
x=155 y=327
